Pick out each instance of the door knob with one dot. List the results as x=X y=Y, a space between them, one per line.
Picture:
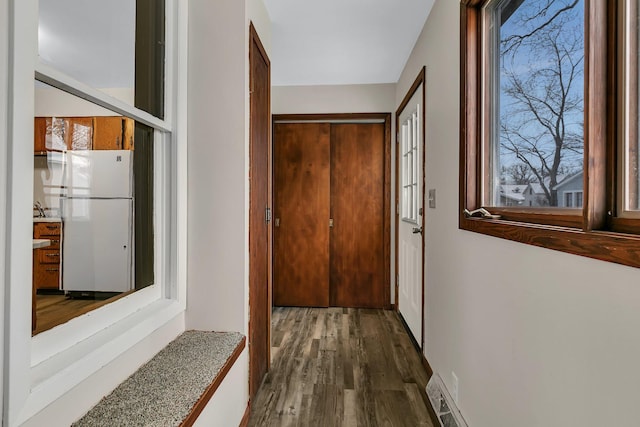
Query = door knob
x=417 y=230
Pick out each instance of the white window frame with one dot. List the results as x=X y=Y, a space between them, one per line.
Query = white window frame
x=39 y=370
x=4 y=104
x=574 y=198
x=568 y=199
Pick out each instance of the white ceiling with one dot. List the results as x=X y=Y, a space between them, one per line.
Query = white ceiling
x=317 y=42
x=322 y=42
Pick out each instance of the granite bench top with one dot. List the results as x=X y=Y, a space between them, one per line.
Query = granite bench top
x=164 y=390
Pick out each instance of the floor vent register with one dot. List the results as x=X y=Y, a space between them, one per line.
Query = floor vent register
x=443 y=405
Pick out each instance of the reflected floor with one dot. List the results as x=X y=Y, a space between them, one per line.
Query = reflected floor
x=54 y=310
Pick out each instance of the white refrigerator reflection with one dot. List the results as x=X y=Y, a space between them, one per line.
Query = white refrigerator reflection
x=97 y=216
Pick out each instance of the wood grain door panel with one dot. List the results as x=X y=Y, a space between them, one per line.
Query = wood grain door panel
x=357 y=208
x=301 y=213
x=259 y=228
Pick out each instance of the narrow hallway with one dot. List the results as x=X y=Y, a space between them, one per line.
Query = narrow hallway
x=341 y=367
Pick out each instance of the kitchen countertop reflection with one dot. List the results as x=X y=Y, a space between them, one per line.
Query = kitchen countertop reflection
x=41 y=243
x=46 y=219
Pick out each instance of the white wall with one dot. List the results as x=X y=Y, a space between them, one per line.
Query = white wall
x=51 y=102
x=217 y=155
x=227 y=406
x=258 y=14
x=536 y=337
x=218 y=158
x=333 y=99
x=4 y=132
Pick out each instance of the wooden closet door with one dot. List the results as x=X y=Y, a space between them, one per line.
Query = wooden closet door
x=301 y=214
x=357 y=208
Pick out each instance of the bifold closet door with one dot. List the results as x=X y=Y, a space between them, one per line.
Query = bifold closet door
x=357 y=208
x=301 y=214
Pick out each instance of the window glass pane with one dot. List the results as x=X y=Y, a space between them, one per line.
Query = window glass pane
x=410 y=168
x=93 y=207
x=116 y=46
x=631 y=152
x=534 y=100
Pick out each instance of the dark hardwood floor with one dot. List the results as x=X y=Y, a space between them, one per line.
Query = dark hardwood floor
x=341 y=367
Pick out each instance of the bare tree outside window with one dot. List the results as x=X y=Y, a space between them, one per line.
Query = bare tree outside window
x=539 y=124
x=518 y=174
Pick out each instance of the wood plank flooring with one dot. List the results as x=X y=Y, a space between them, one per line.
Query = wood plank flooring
x=341 y=367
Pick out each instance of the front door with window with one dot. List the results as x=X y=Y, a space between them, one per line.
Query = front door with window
x=410 y=224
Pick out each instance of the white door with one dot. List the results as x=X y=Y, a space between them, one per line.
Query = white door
x=410 y=234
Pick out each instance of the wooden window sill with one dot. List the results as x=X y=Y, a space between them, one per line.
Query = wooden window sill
x=602 y=245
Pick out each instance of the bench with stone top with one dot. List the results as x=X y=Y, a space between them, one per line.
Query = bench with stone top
x=174 y=386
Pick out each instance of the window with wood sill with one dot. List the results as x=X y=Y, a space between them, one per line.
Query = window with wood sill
x=549 y=124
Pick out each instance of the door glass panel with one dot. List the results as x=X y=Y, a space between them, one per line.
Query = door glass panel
x=410 y=167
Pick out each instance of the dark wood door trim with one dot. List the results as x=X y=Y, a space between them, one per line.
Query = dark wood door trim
x=260 y=113
x=355 y=118
x=420 y=80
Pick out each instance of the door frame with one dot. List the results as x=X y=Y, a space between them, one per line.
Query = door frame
x=255 y=39
x=420 y=80
x=360 y=118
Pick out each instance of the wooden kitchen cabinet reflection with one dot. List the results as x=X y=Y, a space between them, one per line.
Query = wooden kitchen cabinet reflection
x=78 y=133
x=49 y=134
x=46 y=263
x=83 y=133
x=40 y=134
x=113 y=133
